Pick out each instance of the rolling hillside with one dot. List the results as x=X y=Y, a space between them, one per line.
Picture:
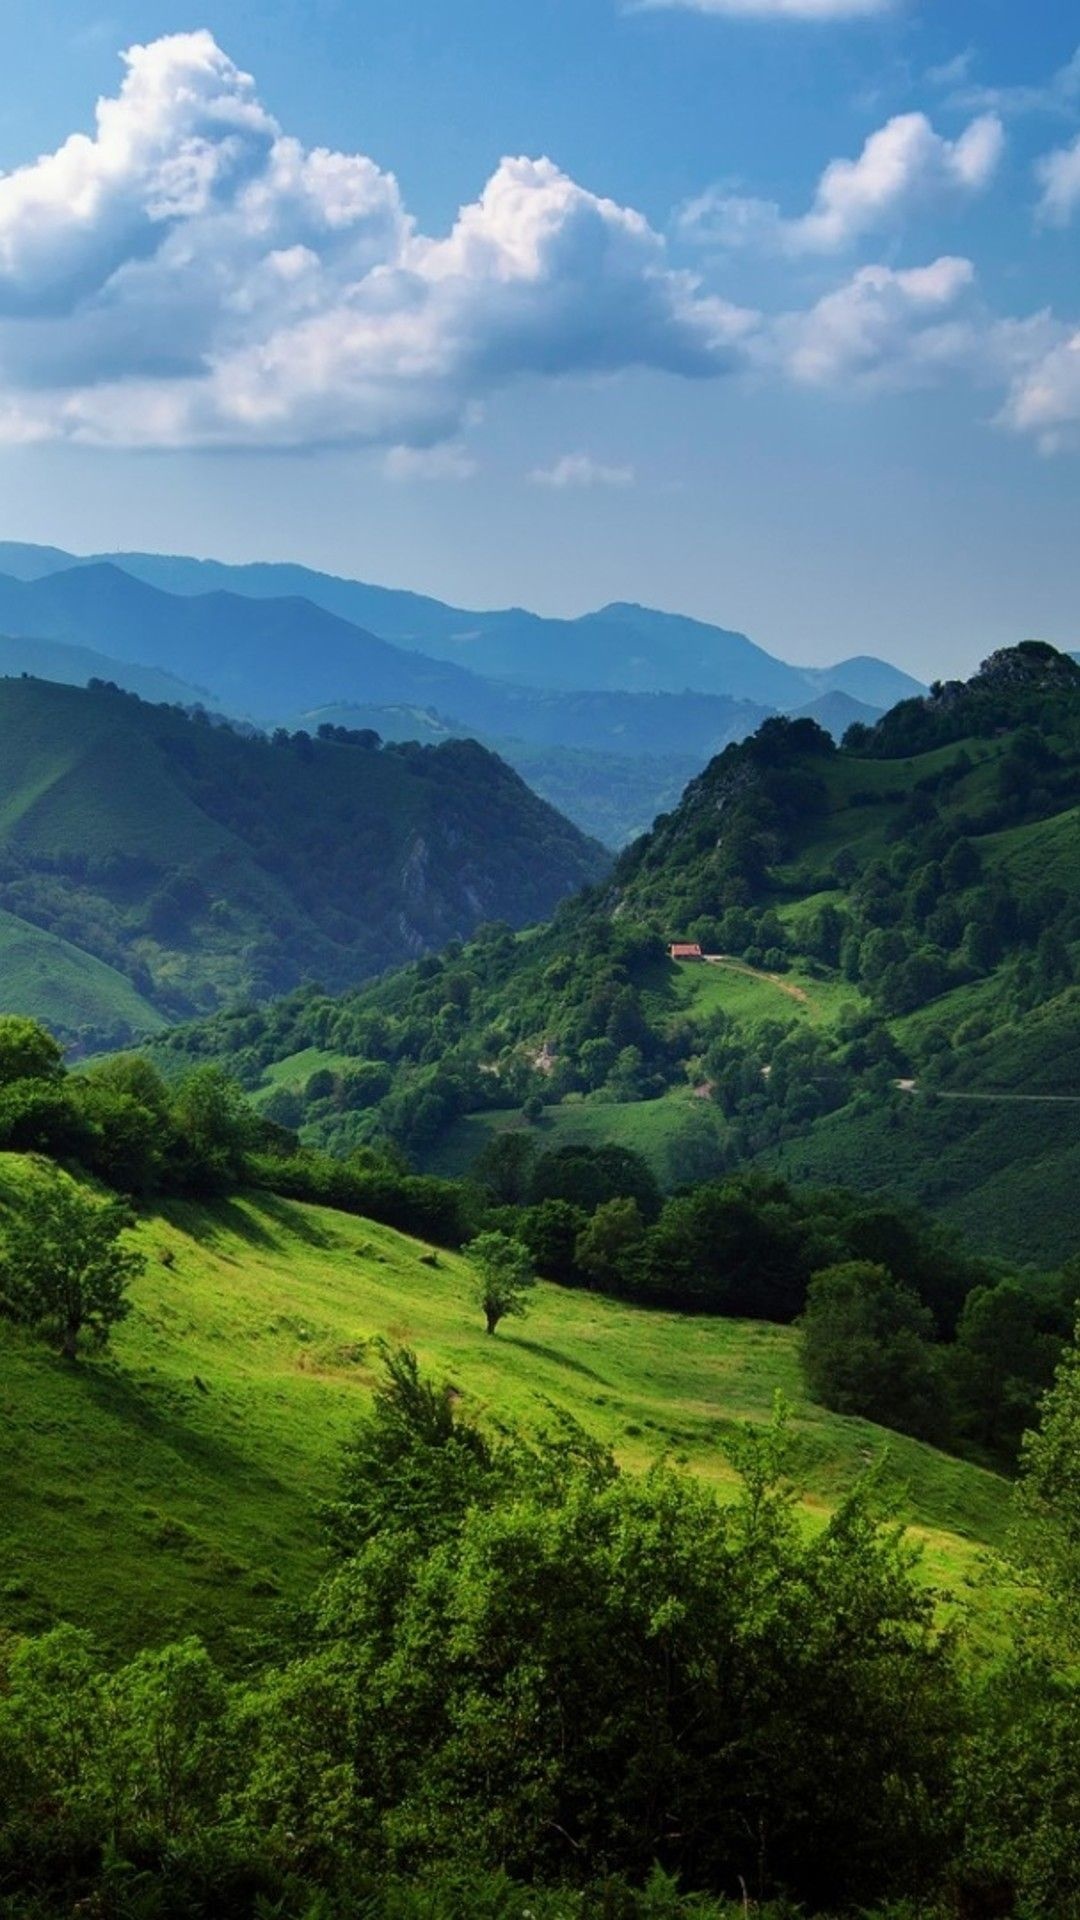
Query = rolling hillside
x=173 y=1484
x=195 y=865
x=895 y=932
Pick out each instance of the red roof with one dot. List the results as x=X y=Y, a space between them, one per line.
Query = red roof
x=686 y=950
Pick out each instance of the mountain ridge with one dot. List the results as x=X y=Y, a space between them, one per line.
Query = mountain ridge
x=584 y=644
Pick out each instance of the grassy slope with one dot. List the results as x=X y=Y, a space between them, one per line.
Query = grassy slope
x=139 y=1500
x=63 y=985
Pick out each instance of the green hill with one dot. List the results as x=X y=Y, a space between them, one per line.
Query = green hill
x=67 y=987
x=193 y=864
x=894 y=932
x=172 y=1484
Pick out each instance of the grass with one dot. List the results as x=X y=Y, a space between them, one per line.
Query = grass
x=648 y=1127
x=1004 y=1174
x=172 y=1485
x=1040 y=854
x=752 y=998
x=54 y=981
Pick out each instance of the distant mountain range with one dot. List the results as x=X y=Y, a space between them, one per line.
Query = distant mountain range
x=620 y=647
x=561 y=700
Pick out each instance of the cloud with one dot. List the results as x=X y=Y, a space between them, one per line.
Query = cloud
x=1044 y=391
x=581 y=470
x=952 y=72
x=447 y=462
x=901 y=164
x=882 y=329
x=806 y=10
x=1059 y=94
x=1058 y=174
x=190 y=275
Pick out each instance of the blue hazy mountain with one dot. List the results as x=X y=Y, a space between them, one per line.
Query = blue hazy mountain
x=620 y=647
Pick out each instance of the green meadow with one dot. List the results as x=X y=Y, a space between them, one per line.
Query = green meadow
x=173 y=1484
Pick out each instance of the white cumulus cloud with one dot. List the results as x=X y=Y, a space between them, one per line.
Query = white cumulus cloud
x=902 y=164
x=191 y=275
x=881 y=329
x=1043 y=398
x=581 y=470
x=1058 y=174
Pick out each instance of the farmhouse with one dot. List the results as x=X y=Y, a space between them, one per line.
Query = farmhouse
x=686 y=950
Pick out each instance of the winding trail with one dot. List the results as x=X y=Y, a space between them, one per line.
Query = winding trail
x=1039 y=1099
x=755 y=973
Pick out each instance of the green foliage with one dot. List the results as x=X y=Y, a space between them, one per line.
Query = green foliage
x=1050 y=1490
x=27 y=1051
x=557 y=1672
x=605 y=1248
x=1009 y=1342
x=63 y=1269
x=412 y=1466
x=193 y=865
x=866 y=1348
x=505 y=1271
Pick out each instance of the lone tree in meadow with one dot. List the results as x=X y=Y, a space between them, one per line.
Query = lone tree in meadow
x=62 y=1267
x=505 y=1272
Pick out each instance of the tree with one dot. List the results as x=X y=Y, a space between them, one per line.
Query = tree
x=504 y=1166
x=412 y=1466
x=216 y=1128
x=866 y=1348
x=609 y=1241
x=27 y=1051
x=550 y=1232
x=1009 y=1340
x=506 y=1273
x=587 y=1176
x=62 y=1267
x=583 y=1667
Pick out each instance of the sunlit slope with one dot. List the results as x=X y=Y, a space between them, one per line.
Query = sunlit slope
x=174 y=1484
x=56 y=982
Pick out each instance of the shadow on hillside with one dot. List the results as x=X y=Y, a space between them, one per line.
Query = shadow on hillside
x=259 y=1219
x=212 y=1221
x=552 y=1353
x=134 y=1407
x=294 y=1224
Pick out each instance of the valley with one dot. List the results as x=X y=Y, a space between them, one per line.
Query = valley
x=476 y=1195
x=539 y=961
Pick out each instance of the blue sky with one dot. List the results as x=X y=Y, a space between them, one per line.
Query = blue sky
x=781 y=335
